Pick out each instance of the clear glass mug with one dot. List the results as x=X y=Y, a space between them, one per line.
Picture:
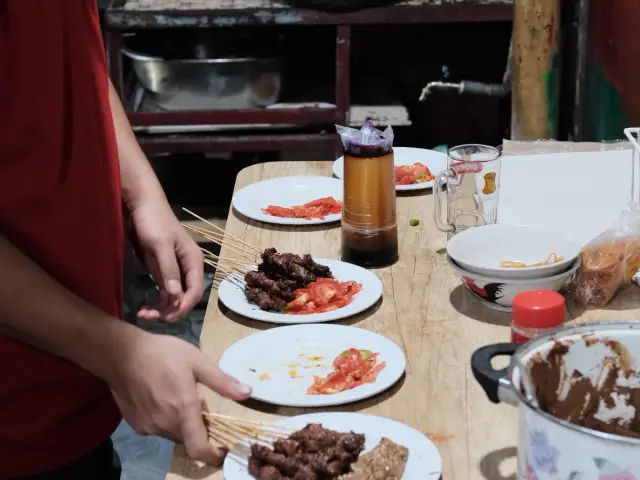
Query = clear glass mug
x=472 y=179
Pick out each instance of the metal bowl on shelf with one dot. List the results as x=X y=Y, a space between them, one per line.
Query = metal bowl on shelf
x=208 y=83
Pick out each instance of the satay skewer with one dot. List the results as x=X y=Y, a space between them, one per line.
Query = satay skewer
x=247 y=255
x=227 y=234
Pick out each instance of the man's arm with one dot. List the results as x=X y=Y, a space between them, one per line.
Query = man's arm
x=153 y=377
x=170 y=254
x=38 y=310
x=138 y=178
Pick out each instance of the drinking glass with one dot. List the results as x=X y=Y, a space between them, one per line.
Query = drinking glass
x=472 y=181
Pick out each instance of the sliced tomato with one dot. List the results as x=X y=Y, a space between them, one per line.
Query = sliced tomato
x=315 y=209
x=351 y=368
x=372 y=375
x=276 y=211
x=300 y=301
x=321 y=202
x=323 y=295
x=334 y=383
x=404 y=175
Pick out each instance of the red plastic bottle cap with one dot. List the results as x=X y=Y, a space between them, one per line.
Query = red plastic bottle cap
x=538 y=309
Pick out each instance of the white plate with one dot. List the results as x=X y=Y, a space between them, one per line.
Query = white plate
x=233 y=297
x=287 y=192
x=280 y=363
x=424 y=463
x=436 y=161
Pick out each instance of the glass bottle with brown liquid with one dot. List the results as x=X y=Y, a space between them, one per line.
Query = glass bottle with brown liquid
x=369 y=225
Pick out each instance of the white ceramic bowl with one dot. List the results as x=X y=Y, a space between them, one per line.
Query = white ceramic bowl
x=497 y=292
x=481 y=249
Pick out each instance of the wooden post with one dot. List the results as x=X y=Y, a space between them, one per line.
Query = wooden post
x=536 y=74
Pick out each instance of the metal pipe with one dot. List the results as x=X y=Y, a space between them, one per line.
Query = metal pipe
x=473 y=88
x=465 y=87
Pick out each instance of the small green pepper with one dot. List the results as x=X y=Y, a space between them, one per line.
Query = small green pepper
x=414 y=222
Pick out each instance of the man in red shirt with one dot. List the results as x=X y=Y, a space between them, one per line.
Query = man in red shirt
x=69 y=167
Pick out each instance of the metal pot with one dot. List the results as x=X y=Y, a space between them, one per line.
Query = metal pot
x=548 y=447
x=208 y=83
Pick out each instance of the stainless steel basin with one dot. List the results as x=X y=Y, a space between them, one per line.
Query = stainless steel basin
x=208 y=83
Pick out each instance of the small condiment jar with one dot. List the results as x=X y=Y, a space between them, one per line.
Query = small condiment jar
x=535 y=313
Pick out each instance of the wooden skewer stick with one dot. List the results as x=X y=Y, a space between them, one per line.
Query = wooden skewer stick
x=226 y=442
x=216 y=258
x=232 y=273
x=246 y=434
x=243 y=266
x=235 y=261
x=221 y=230
x=263 y=425
x=217 y=237
x=248 y=255
x=207 y=252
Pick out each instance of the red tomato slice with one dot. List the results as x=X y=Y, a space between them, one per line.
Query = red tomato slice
x=321 y=202
x=334 y=383
x=276 y=211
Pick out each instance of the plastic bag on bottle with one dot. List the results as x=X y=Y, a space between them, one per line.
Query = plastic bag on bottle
x=368 y=137
x=609 y=261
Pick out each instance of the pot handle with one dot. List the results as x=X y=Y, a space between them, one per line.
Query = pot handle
x=488 y=377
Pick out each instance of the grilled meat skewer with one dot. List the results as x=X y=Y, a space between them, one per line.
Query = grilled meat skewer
x=268 y=285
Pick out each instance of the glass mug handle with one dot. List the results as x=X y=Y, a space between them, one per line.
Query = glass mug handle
x=438 y=194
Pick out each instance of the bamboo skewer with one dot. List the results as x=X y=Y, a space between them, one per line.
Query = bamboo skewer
x=233 y=276
x=253 y=423
x=226 y=234
x=208 y=236
x=218 y=259
x=238 y=435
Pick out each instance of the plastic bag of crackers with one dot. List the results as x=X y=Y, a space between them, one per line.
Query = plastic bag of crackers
x=609 y=261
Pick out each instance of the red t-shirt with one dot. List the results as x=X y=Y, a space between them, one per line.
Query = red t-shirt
x=60 y=203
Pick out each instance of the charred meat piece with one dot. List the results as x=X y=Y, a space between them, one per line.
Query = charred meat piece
x=316 y=268
x=270 y=256
x=281 y=278
x=289 y=269
x=263 y=300
x=272 y=287
x=313 y=453
x=307 y=262
x=286 y=446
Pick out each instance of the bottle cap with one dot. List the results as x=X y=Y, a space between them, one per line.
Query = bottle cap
x=538 y=309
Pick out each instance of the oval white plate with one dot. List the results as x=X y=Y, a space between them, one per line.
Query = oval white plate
x=286 y=192
x=233 y=297
x=287 y=358
x=424 y=463
x=436 y=161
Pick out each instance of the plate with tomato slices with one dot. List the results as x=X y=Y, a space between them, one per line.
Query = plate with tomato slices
x=314 y=365
x=416 y=168
x=351 y=290
x=292 y=200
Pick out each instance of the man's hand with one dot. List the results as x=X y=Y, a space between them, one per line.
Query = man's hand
x=172 y=257
x=154 y=384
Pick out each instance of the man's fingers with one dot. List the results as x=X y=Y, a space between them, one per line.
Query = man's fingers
x=207 y=373
x=196 y=438
x=168 y=275
x=192 y=266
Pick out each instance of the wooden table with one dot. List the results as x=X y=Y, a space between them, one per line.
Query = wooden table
x=426 y=311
